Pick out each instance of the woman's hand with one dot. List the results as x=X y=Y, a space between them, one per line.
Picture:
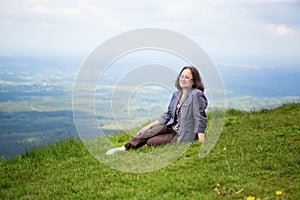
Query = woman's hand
x=201 y=137
x=149 y=126
x=144 y=129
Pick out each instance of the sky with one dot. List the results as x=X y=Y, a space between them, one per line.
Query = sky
x=224 y=28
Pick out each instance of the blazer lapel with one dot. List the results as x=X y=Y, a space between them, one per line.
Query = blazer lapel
x=186 y=95
x=178 y=96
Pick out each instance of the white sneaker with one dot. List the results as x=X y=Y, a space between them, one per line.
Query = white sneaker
x=114 y=150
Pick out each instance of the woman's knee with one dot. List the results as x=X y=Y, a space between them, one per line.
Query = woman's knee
x=160 y=139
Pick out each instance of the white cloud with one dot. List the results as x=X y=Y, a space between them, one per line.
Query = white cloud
x=246 y=66
x=279 y=29
x=235 y=27
x=5 y=22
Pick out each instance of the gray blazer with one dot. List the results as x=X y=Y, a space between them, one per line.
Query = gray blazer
x=191 y=118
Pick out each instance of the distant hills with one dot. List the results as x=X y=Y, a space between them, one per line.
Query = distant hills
x=36 y=97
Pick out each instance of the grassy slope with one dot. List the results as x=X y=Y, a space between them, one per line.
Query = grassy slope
x=257 y=154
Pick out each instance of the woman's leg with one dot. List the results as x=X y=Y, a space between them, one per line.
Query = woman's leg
x=159 y=134
x=169 y=136
x=142 y=138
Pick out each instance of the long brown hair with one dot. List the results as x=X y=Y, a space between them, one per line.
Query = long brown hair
x=196 y=78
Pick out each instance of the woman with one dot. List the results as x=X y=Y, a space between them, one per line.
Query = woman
x=184 y=121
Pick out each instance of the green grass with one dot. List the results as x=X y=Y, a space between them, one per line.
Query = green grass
x=257 y=154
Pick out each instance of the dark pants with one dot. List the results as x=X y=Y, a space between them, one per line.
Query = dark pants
x=157 y=135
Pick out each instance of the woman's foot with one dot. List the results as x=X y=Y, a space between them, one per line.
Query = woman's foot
x=114 y=150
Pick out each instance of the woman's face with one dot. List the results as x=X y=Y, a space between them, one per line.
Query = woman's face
x=186 y=79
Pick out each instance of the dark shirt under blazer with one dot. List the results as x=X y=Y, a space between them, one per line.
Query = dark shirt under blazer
x=191 y=118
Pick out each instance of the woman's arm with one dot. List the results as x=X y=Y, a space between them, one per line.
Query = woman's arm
x=156 y=122
x=200 y=104
x=163 y=119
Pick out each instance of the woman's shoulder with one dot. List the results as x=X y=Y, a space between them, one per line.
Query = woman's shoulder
x=176 y=93
x=196 y=91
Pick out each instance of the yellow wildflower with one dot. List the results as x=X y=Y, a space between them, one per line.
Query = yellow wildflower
x=250 y=198
x=278 y=192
